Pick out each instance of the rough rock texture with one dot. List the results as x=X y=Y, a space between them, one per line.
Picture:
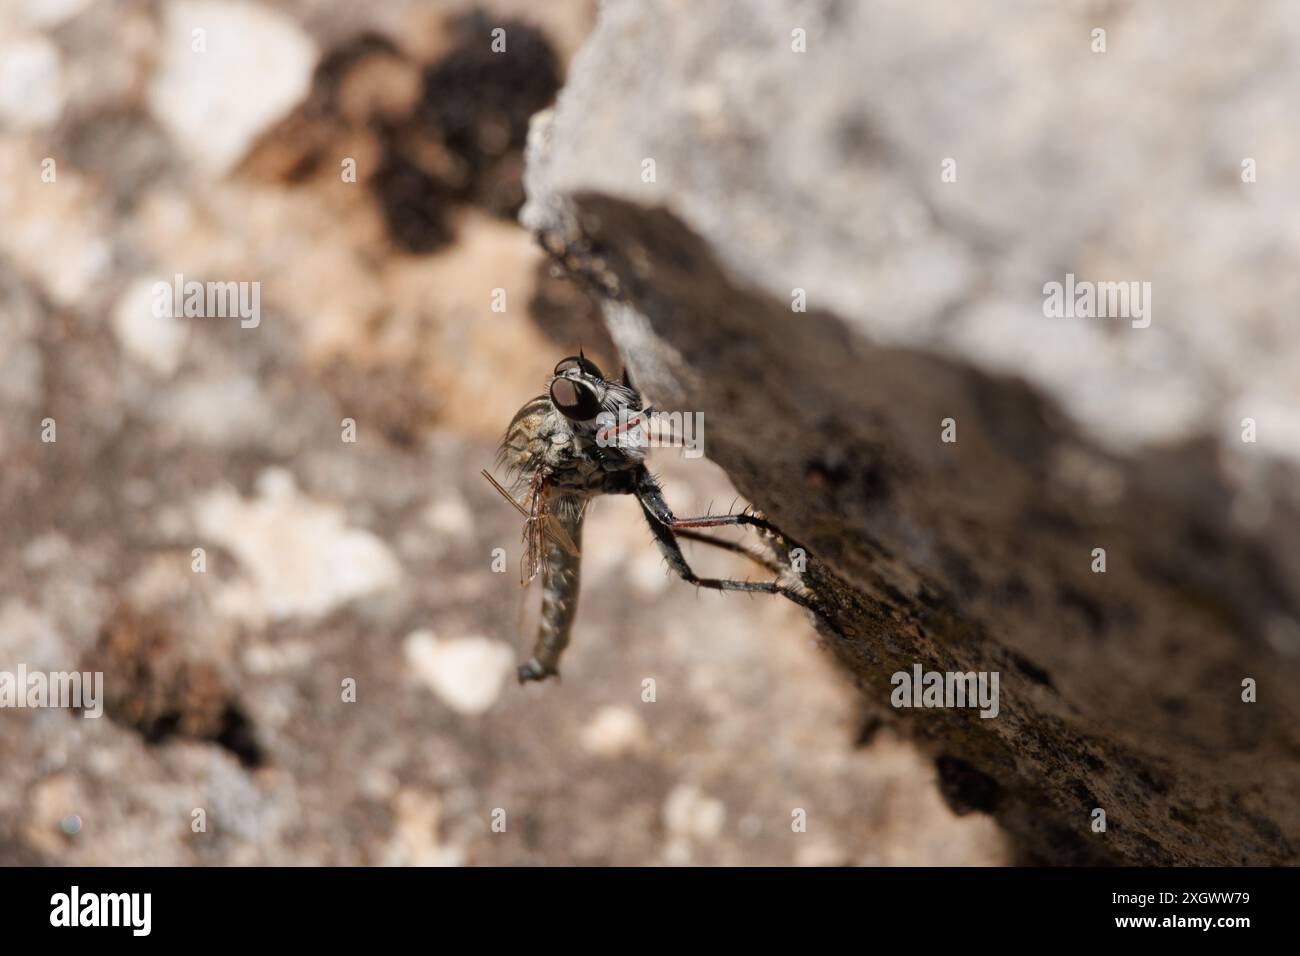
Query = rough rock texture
x=328 y=561
x=821 y=171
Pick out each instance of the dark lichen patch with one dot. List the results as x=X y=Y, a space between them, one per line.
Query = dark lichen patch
x=442 y=135
x=414 y=203
x=1083 y=794
x=966 y=788
x=335 y=67
x=1013 y=591
x=1149 y=780
x=960 y=570
x=862 y=475
x=869 y=724
x=1032 y=671
x=932 y=599
x=1058 y=844
x=153 y=688
x=1268 y=831
x=1173 y=706
x=1084 y=607
x=1183 y=815
x=479 y=101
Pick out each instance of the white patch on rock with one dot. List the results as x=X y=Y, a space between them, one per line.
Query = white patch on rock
x=821 y=854
x=466 y=673
x=46 y=551
x=218 y=411
x=284 y=658
x=415 y=841
x=27 y=635
x=31 y=83
x=649 y=574
x=161 y=579
x=51 y=800
x=450 y=517
x=689 y=816
x=153 y=341
x=613 y=732
x=256 y=65
x=690 y=812
x=50 y=13
x=302 y=557
x=56 y=233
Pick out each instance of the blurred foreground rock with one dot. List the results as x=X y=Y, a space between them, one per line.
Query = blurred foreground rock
x=700 y=174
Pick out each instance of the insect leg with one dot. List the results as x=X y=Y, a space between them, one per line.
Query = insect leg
x=652 y=499
x=732 y=546
x=667 y=541
x=665 y=526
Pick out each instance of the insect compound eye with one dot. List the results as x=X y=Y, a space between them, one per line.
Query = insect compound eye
x=579 y=362
x=574 y=399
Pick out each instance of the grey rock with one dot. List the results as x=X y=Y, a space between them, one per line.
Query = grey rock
x=777 y=171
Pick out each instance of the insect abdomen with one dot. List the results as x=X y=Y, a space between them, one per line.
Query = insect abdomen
x=561 y=577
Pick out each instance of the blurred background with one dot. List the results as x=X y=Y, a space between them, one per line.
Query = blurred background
x=132 y=149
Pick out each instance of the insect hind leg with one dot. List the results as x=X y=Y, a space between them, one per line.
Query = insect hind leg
x=686 y=534
x=665 y=526
x=672 y=552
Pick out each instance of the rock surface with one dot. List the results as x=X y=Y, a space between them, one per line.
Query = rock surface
x=700 y=174
x=328 y=683
x=229 y=71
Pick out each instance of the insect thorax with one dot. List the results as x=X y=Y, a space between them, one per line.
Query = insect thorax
x=542 y=441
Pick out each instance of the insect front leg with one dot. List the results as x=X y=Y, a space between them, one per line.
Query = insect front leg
x=651 y=497
x=664 y=525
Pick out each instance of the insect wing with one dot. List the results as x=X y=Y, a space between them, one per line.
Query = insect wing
x=555 y=531
x=534 y=552
x=537 y=524
x=505 y=494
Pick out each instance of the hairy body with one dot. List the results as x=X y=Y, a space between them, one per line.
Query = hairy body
x=564 y=448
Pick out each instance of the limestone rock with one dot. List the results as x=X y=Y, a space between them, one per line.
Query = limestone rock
x=701 y=175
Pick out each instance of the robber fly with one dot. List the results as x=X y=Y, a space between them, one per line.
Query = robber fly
x=561 y=450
